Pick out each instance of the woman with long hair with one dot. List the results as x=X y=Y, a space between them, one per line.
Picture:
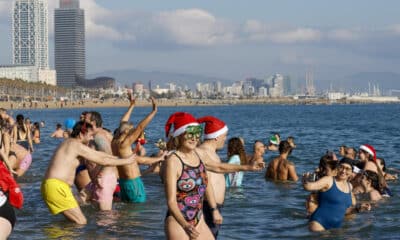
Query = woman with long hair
x=236 y=155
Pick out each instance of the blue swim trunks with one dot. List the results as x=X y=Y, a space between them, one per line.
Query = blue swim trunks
x=132 y=190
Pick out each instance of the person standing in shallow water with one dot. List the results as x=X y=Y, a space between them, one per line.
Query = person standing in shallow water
x=186 y=183
x=130 y=182
x=60 y=175
x=335 y=198
x=236 y=155
x=215 y=133
x=281 y=169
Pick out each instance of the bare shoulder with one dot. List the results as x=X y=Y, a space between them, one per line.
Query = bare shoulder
x=173 y=162
x=290 y=163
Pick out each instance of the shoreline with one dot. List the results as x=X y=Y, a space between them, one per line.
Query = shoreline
x=12 y=105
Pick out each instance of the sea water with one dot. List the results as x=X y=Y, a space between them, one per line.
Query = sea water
x=259 y=209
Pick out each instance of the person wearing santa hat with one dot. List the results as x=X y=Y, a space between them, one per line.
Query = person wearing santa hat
x=367 y=155
x=215 y=133
x=186 y=182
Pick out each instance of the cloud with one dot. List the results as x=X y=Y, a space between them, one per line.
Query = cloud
x=343 y=35
x=195 y=27
x=296 y=35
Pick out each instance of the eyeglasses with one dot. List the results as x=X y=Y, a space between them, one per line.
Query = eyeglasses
x=342 y=167
x=361 y=151
x=193 y=132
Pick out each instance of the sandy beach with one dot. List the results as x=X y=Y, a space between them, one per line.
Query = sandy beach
x=172 y=103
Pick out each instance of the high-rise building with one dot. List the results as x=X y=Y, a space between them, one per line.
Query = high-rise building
x=30 y=43
x=30 y=33
x=69 y=35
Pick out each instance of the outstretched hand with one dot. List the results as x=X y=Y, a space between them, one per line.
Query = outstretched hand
x=131 y=98
x=258 y=166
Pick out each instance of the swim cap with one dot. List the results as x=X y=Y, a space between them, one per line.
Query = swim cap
x=69 y=123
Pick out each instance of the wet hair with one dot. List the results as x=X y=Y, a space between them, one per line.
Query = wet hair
x=58 y=125
x=284 y=147
x=348 y=161
x=37 y=125
x=383 y=163
x=374 y=178
x=325 y=162
x=80 y=127
x=235 y=147
x=19 y=117
x=95 y=116
x=122 y=127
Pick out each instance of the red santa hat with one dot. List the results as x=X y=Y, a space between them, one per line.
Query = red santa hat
x=180 y=120
x=214 y=127
x=369 y=149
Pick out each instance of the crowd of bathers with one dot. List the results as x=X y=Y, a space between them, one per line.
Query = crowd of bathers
x=104 y=167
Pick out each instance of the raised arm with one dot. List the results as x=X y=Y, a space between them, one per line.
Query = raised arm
x=29 y=136
x=127 y=115
x=134 y=135
x=102 y=158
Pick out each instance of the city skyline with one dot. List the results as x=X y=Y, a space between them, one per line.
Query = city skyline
x=235 y=41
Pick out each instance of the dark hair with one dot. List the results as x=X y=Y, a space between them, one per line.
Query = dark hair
x=383 y=163
x=37 y=125
x=19 y=117
x=235 y=147
x=284 y=147
x=348 y=161
x=95 y=116
x=374 y=178
x=80 y=127
x=325 y=162
x=58 y=125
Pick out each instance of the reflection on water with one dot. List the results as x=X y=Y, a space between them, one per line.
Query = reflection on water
x=259 y=209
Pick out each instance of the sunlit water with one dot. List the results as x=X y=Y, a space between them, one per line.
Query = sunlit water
x=258 y=210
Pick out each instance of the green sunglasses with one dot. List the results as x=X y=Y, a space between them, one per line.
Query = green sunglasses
x=193 y=132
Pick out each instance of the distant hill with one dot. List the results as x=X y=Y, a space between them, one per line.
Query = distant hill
x=359 y=82
x=129 y=76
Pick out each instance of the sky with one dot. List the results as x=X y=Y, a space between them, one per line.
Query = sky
x=234 y=39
